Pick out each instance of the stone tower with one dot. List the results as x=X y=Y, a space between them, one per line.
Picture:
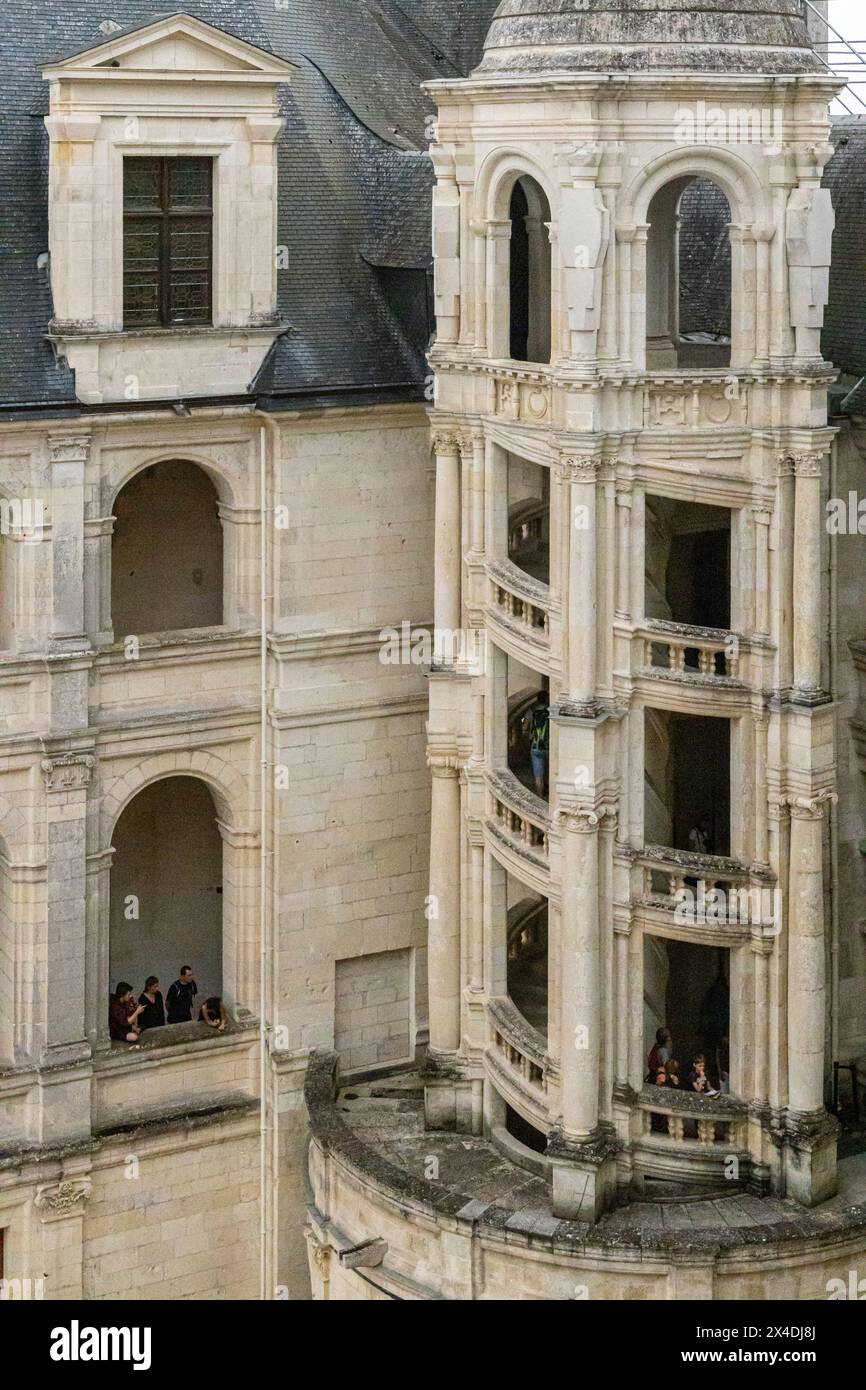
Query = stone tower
x=629 y=534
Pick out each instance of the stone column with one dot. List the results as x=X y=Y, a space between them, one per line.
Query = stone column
x=580 y=974
x=476 y=909
x=582 y=1159
x=808 y=530
x=66 y=1102
x=582 y=606
x=97 y=579
x=811 y=1167
x=622 y=1006
x=623 y=549
x=68 y=458
x=447 y=556
x=762 y=516
x=479 y=256
x=498 y=295
x=806 y=971
x=98 y=986
x=444 y=920
x=761 y=954
x=22 y=997
x=476 y=540
x=761 y=723
x=446 y=245
x=638 y=553
x=241 y=565
x=241 y=876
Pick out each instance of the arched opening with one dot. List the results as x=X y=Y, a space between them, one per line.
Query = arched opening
x=166 y=551
x=529 y=517
x=687 y=995
x=166 y=893
x=529 y=273
x=527 y=965
x=689 y=283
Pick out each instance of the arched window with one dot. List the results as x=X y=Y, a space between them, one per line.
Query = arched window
x=166 y=899
x=689 y=276
x=529 y=273
x=166 y=551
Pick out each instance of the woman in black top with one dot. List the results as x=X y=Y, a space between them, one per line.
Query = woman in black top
x=153 y=1015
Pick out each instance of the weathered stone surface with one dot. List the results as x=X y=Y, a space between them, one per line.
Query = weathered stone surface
x=528 y=36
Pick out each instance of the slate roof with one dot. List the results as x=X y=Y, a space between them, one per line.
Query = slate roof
x=354 y=179
x=844 y=338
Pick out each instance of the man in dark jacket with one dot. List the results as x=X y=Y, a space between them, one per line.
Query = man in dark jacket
x=181 y=996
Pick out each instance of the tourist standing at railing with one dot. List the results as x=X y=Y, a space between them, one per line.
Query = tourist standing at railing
x=153 y=1007
x=123 y=1014
x=660 y=1053
x=181 y=997
x=700 y=837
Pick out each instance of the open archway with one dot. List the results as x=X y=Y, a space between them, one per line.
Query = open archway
x=166 y=551
x=689 y=279
x=529 y=273
x=166 y=893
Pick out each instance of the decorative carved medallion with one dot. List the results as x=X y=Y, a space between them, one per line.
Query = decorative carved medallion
x=65 y=1198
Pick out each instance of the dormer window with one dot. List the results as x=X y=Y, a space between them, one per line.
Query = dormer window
x=167 y=241
x=163 y=211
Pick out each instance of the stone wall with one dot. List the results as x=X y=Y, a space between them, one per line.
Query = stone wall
x=373 y=1022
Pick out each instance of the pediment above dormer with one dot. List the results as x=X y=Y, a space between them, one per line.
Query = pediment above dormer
x=173 y=48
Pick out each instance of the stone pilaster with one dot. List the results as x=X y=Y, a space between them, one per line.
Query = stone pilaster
x=810 y=1132
x=582 y=603
x=808 y=530
x=583 y=1156
x=447 y=556
x=61 y=1206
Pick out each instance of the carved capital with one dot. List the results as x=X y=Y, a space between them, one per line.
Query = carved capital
x=70 y=772
x=444 y=764
x=446 y=442
x=586 y=820
x=805 y=465
x=69 y=448
x=810 y=807
x=579 y=470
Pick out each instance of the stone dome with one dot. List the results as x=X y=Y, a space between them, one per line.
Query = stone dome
x=738 y=36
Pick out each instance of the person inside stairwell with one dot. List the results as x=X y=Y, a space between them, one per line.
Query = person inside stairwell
x=152 y=1006
x=659 y=1055
x=123 y=1014
x=181 y=997
x=698 y=1080
x=672 y=1074
x=701 y=837
x=213 y=1013
x=538 y=732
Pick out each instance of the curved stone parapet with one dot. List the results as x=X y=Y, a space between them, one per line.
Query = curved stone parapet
x=400 y=1213
x=540 y=36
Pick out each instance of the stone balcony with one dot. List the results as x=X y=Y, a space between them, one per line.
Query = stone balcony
x=518 y=614
x=518 y=822
x=398 y=1212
